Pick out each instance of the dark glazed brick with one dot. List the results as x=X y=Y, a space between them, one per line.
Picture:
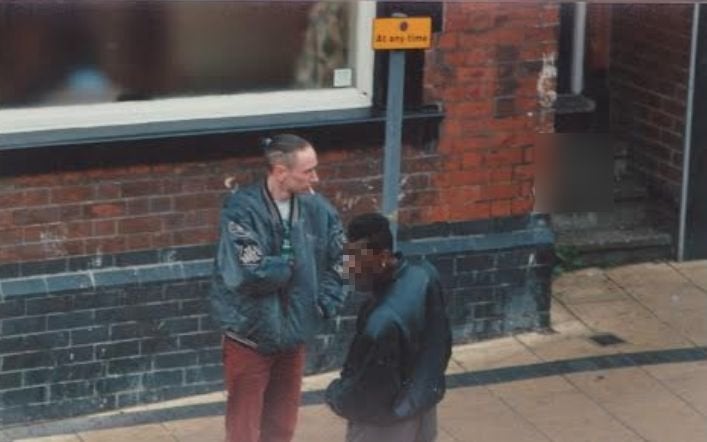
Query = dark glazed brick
x=10 y=380
x=64 y=321
x=163 y=378
x=128 y=365
x=43 y=267
x=71 y=390
x=23 y=396
x=50 y=304
x=200 y=340
x=136 y=258
x=74 y=355
x=9 y=271
x=180 y=359
x=116 y=384
x=117 y=350
x=27 y=324
x=89 y=335
x=9 y=309
x=209 y=373
x=159 y=345
x=475 y=263
x=25 y=361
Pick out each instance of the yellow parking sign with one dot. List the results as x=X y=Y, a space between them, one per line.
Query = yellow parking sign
x=402 y=33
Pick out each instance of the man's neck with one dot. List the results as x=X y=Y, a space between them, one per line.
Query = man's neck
x=278 y=194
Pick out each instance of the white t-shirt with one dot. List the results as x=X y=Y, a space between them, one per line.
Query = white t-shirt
x=284 y=208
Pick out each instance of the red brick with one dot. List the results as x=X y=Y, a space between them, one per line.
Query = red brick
x=140 y=241
x=524 y=171
x=472 y=109
x=506 y=157
x=107 y=191
x=107 y=210
x=72 y=194
x=36 y=215
x=499 y=191
x=419 y=199
x=194 y=236
x=501 y=208
x=197 y=201
x=138 y=206
x=480 y=210
x=140 y=188
x=522 y=206
x=140 y=225
x=503 y=174
x=11 y=236
x=475 y=74
x=12 y=199
x=104 y=227
x=447 y=40
x=80 y=229
x=5 y=219
x=96 y=246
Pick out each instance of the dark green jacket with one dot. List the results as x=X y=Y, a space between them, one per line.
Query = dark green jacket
x=264 y=297
x=395 y=367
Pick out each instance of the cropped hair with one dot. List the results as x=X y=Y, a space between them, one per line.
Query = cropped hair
x=281 y=149
x=374 y=229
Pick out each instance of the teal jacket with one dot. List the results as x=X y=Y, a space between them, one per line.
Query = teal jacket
x=265 y=298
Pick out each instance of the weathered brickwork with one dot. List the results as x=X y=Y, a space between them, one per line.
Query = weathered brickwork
x=650 y=57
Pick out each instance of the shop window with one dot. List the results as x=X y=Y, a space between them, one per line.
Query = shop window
x=87 y=64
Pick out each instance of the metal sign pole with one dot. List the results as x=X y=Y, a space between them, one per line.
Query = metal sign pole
x=393 y=139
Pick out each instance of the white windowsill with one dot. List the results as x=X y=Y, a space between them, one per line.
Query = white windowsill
x=15 y=121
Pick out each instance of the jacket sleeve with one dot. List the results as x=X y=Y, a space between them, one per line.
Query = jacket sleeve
x=331 y=290
x=241 y=261
x=369 y=382
x=427 y=382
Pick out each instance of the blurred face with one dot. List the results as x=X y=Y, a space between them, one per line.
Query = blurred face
x=301 y=176
x=362 y=266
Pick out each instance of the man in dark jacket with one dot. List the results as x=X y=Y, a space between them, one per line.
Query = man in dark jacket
x=277 y=276
x=393 y=376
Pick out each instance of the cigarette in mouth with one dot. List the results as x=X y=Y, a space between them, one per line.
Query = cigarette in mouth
x=311 y=191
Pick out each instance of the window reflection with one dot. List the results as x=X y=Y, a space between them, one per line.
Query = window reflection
x=55 y=52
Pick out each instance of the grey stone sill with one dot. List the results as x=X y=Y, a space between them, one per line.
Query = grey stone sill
x=93 y=279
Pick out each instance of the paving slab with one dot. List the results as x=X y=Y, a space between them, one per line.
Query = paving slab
x=586 y=286
x=632 y=322
x=138 y=433
x=496 y=353
x=316 y=423
x=642 y=404
x=474 y=413
x=696 y=271
x=202 y=429
x=669 y=295
x=688 y=380
x=563 y=412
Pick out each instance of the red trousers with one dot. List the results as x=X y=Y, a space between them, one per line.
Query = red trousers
x=263 y=393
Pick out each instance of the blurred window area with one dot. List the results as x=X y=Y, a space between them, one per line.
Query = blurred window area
x=75 y=52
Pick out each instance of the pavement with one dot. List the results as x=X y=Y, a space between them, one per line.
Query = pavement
x=626 y=361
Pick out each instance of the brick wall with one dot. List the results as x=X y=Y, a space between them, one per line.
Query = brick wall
x=485 y=67
x=650 y=54
x=105 y=250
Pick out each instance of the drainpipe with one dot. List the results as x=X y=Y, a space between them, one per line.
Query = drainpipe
x=687 y=147
x=578 y=40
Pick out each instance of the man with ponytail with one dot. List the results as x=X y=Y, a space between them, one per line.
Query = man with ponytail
x=277 y=278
